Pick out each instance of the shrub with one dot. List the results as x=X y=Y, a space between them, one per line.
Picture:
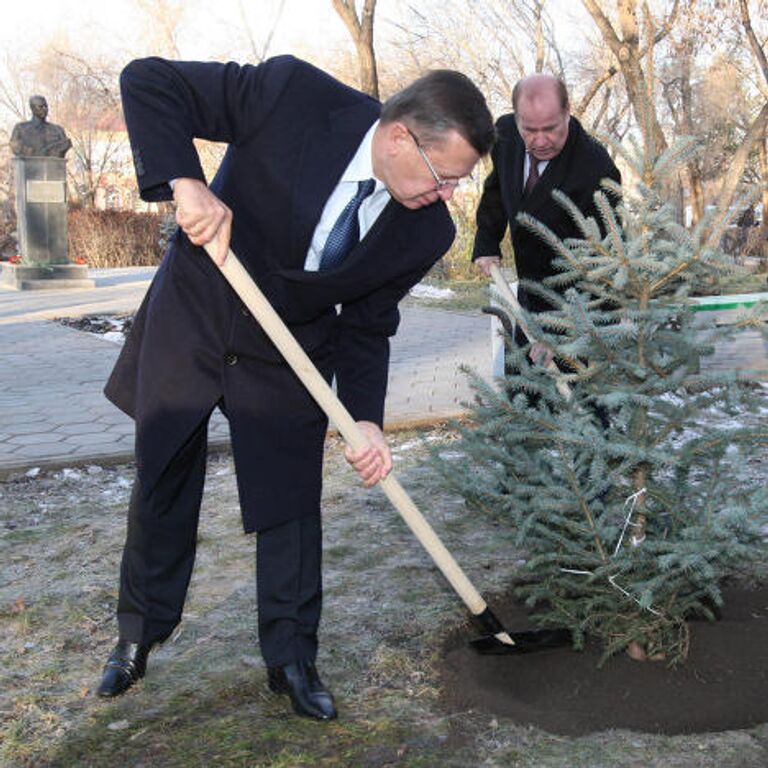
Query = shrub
x=118 y=238
x=457 y=265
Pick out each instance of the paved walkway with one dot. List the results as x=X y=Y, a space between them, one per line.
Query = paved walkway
x=53 y=412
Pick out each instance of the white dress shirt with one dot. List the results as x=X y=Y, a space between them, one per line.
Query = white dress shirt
x=359 y=169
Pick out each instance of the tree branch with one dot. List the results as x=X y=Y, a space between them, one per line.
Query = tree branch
x=754 y=44
x=597 y=83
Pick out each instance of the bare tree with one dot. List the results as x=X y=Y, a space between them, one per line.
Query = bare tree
x=594 y=88
x=162 y=21
x=494 y=41
x=84 y=98
x=14 y=88
x=361 y=30
x=14 y=98
x=632 y=39
x=258 y=49
x=761 y=135
x=625 y=44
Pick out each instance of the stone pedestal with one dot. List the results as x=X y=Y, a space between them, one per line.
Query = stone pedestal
x=26 y=278
x=41 y=212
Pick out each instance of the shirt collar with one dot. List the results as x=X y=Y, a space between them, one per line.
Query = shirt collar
x=360 y=166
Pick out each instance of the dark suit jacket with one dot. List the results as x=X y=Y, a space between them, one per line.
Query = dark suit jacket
x=576 y=171
x=291 y=131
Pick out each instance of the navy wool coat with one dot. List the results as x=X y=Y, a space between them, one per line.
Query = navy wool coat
x=291 y=130
x=577 y=172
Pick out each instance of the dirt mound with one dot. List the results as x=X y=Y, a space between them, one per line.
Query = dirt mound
x=722 y=686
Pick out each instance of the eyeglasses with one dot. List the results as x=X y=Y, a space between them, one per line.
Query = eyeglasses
x=440 y=182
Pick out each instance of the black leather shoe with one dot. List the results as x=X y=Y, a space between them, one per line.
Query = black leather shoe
x=126 y=664
x=302 y=683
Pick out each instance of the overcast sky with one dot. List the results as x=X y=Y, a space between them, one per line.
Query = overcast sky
x=118 y=24
x=114 y=31
x=208 y=29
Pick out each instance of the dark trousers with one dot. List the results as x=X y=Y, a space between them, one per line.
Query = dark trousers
x=159 y=555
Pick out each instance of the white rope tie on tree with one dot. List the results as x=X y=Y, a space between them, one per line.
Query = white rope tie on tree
x=632 y=501
x=612 y=580
x=636 y=542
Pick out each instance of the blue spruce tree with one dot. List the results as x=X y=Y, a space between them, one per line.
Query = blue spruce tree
x=624 y=493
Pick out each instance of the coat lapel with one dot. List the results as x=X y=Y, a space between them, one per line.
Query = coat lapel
x=516 y=177
x=325 y=154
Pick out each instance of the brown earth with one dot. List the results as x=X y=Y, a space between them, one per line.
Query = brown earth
x=722 y=686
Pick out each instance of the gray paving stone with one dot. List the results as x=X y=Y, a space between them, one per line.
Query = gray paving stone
x=24 y=423
x=38 y=452
x=68 y=427
x=91 y=438
x=47 y=438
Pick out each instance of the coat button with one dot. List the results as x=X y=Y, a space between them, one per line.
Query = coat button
x=230 y=359
x=244 y=311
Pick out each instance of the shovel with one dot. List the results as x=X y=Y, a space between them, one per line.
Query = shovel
x=506 y=293
x=496 y=639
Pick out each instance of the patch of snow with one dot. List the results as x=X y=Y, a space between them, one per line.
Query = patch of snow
x=415 y=443
x=452 y=455
x=116 y=337
x=424 y=291
x=34 y=472
x=407 y=446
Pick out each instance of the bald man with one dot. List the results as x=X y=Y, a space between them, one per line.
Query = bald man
x=539 y=148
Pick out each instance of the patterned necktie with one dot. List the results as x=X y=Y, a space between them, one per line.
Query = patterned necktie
x=533 y=174
x=346 y=231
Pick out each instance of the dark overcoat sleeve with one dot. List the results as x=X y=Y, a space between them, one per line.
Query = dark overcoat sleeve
x=491 y=217
x=167 y=104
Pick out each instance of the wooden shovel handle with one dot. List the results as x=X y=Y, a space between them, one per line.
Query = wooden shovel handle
x=506 y=293
x=242 y=283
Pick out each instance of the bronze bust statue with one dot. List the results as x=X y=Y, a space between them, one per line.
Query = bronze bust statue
x=37 y=137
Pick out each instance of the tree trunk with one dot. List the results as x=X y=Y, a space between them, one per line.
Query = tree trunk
x=762 y=249
x=369 y=79
x=361 y=30
x=696 y=185
x=539 y=9
x=627 y=52
x=733 y=175
x=762 y=61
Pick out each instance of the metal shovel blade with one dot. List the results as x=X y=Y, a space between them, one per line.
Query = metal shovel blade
x=530 y=641
x=498 y=642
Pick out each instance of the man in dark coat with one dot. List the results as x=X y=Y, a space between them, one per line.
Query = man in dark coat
x=336 y=207
x=539 y=148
